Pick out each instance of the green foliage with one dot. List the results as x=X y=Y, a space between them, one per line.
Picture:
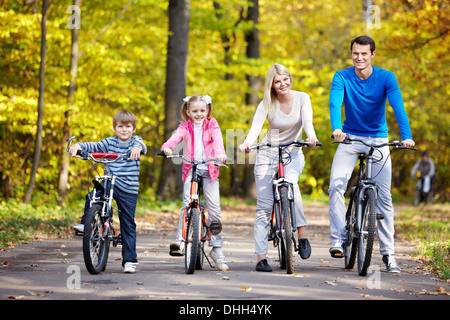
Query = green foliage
x=428 y=228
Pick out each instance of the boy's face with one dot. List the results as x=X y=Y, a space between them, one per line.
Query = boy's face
x=124 y=131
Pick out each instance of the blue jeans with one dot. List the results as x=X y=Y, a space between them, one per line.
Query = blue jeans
x=126 y=203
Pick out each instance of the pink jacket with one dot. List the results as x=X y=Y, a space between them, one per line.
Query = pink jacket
x=212 y=142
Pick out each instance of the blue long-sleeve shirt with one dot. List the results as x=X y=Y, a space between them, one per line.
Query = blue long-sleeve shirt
x=365 y=103
x=126 y=171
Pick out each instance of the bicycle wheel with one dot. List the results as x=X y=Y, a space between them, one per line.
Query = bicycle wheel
x=287 y=227
x=95 y=243
x=351 y=245
x=204 y=236
x=192 y=241
x=277 y=242
x=365 y=239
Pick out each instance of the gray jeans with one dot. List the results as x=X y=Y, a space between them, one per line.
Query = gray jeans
x=211 y=194
x=266 y=167
x=341 y=170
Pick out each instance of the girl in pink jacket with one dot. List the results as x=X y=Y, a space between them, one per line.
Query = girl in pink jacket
x=202 y=140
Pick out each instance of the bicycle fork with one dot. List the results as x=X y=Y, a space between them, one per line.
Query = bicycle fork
x=277 y=185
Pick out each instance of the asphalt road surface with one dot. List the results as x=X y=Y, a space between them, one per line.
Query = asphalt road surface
x=53 y=269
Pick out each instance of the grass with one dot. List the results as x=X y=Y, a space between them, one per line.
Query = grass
x=427 y=227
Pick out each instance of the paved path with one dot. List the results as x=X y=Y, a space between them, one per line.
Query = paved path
x=54 y=270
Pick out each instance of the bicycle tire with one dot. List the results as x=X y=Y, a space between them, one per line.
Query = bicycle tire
x=201 y=247
x=365 y=240
x=287 y=227
x=192 y=241
x=351 y=246
x=278 y=244
x=95 y=245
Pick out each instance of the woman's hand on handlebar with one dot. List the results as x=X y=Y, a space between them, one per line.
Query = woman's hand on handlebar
x=244 y=148
x=313 y=141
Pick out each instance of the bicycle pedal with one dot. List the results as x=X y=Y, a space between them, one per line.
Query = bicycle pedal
x=175 y=253
x=78 y=233
x=337 y=255
x=380 y=217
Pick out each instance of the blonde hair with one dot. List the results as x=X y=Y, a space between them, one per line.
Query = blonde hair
x=270 y=100
x=185 y=107
x=124 y=116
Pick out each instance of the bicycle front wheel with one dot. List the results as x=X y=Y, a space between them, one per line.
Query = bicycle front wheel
x=192 y=241
x=287 y=227
x=95 y=241
x=367 y=235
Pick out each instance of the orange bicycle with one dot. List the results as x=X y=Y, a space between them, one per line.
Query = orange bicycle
x=195 y=229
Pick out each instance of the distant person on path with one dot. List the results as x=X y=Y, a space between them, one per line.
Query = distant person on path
x=288 y=113
x=202 y=139
x=364 y=89
x=424 y=166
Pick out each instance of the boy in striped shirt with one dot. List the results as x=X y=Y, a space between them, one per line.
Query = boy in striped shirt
x=127 y=183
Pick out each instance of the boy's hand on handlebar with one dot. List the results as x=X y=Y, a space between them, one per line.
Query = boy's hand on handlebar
x=338 y=135
x=73 y=149
x=135 y=153
x=409 y=143
x=244 y=148
x=167 y=151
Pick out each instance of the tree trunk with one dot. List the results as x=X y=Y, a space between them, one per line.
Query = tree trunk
x=177 y=48
x=251 y=98
x=65 y=158
x=38 y=144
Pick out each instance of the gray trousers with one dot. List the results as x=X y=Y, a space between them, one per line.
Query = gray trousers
x=266 y=167
x=211 y=195
x=341 y=170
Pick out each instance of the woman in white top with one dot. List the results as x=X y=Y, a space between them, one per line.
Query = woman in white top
x=288 y=112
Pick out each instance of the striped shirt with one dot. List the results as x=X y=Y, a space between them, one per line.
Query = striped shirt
x=127 y=171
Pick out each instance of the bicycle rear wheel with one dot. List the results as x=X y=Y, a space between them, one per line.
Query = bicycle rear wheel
x=95 y=241
x=287 y=227
x=192 y=241
x=366 y=238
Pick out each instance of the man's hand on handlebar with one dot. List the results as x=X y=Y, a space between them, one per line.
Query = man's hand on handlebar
x=338 y=135
x=409 y=143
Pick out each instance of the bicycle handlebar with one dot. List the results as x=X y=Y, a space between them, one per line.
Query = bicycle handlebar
x=296 y=143
x=397 y=144
x=215 y=160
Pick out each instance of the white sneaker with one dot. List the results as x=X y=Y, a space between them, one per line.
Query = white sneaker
x=130 y=267
x=219 y=260
x=79 y=227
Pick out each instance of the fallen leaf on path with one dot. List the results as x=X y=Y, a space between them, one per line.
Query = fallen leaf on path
x=330 y=283
x=360 y=288
x=247 y=289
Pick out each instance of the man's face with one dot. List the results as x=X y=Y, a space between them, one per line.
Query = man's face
x=361 y=56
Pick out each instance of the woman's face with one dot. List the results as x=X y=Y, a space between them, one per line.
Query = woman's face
x=282 y=84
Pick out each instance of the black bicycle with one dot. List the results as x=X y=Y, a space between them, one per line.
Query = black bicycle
x=361 y=215
x=282 y=229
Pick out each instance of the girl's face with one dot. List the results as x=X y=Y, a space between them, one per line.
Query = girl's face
x=282 y=84
x=197 y=111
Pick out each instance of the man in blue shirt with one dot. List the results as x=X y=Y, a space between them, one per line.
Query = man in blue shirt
x=364 y=89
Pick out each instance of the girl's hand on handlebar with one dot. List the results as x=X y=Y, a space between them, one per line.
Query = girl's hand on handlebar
x=167 y=151
x=222 y=157
x=74 y=149
x=244 y=148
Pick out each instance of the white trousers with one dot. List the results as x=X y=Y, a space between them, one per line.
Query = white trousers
x=341 y=170
x=211 y=195
x=266 y=167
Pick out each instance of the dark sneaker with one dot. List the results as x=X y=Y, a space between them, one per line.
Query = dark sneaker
x=263 y=266
x=304 y=248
